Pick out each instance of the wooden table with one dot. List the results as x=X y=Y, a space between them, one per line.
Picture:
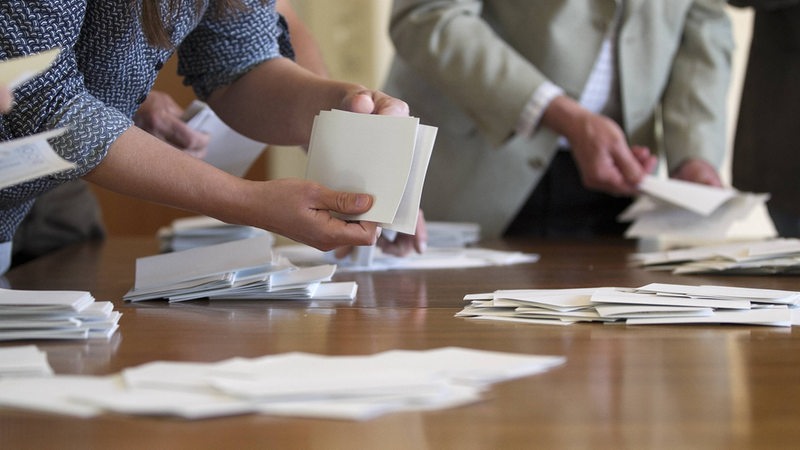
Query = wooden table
x=621 y=387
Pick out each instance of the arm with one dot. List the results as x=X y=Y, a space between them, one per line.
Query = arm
x=6 y=99
x=695 y=99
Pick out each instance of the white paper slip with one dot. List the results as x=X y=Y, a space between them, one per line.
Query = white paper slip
x=384 y=156
x=16 y=71
x=18 y=301
x=23 y=361
x=612 y=295
x=227 y=150
x=29 y=158
x=55 y=394
x=699 y=198
x=765 y=316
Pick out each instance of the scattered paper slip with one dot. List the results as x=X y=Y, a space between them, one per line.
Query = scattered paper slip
x=227 y=149
x=23 y=361
x=680 y=210
x=650 y=304
x=384 y=156
x=31 y=157
x=762 y=257
x=200 y=231
x=291 y=384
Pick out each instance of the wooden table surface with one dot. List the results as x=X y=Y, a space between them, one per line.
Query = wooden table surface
x=690 y=386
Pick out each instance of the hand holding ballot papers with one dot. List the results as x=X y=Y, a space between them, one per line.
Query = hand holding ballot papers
x=384 y=156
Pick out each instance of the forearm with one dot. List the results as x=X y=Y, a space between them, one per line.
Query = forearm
x=142 y=166
x=276 y=102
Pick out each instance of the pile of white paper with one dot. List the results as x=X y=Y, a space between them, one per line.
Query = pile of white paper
x=774 y=256
x=385 y=156
x=292 y=384
x=199 y=231
x=23 y=361
x=684 y=211
x=55 y=315
x=651 y=304
x=238 y=269
x=452 y=234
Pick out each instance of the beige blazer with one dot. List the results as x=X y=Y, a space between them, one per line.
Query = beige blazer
x=470 y=66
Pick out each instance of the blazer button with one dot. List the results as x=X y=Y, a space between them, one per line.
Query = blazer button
x=536 y=163
x=159 y=65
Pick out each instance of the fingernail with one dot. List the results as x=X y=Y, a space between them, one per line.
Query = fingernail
x=362 y=200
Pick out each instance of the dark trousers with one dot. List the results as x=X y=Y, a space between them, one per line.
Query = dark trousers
x=787 y=224
x=561 y=207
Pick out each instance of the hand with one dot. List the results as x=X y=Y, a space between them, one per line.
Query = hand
x=604 y=159
x=6 y=99
x=160 y=116
x=697 y=171
x=374 y=102
x=301 y=210
x=599 y=148
x=404 y=244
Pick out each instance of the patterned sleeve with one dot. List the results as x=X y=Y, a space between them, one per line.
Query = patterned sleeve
x=212 y=55
x=57 y=98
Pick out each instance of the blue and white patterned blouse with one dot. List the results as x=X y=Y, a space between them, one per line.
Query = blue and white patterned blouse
x=106 y=68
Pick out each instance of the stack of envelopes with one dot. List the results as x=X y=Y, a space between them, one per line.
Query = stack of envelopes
x=291 y=384
x=23 y=361
x=655 y=303
x=762 y=257
x=244 y=268
x=55 y=315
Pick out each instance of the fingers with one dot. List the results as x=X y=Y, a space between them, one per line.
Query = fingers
x=376 y=102
x=698 y=171
x=187 y=138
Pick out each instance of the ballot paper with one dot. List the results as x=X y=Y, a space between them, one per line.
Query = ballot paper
x=23 y=361
x=227 y=149
x=680 y=210
x=200 y=231
x=290 y=384
x=761 y=257
x=55 y=315
x=432 y=258
x=31 y=157
x=655 y=303
x=384 y=156
x=16 y=71
x=240 y=269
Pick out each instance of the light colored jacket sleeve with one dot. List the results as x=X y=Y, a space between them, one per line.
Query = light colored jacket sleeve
x=694 y=107
x=450 y=45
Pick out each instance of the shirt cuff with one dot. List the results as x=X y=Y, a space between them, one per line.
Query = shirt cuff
x=534 y=110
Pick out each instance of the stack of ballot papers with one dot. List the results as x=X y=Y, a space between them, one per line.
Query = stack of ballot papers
x=200 y=231
x=55 y=315
x=647 y=305
x=452 y=234
x=432 y=258
x=23 y=361
x=227 y=149
x=764 y=257
x=291 y=384
x=691 y=212
x=30 y=157
x=241 y=269
x=384 y=156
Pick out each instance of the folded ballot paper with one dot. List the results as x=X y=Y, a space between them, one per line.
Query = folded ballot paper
x=227 y=149
x=241 y=269
x=55 y=315
x=687 y=211
x=23 y=361
x=290 y=384
x=385 y=156
x=647 y=305
x=762 y=257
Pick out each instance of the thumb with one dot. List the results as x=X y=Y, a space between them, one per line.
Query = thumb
x=348 y=202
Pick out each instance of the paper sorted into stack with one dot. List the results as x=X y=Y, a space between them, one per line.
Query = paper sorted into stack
x=651 y=304
x=199 y=231
x=385 y=156
x=292 y=384
x=452 y=234
x=774 y=256
x=238 y=269
x=23 y=361
x=55 y=315
x=692 y=212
